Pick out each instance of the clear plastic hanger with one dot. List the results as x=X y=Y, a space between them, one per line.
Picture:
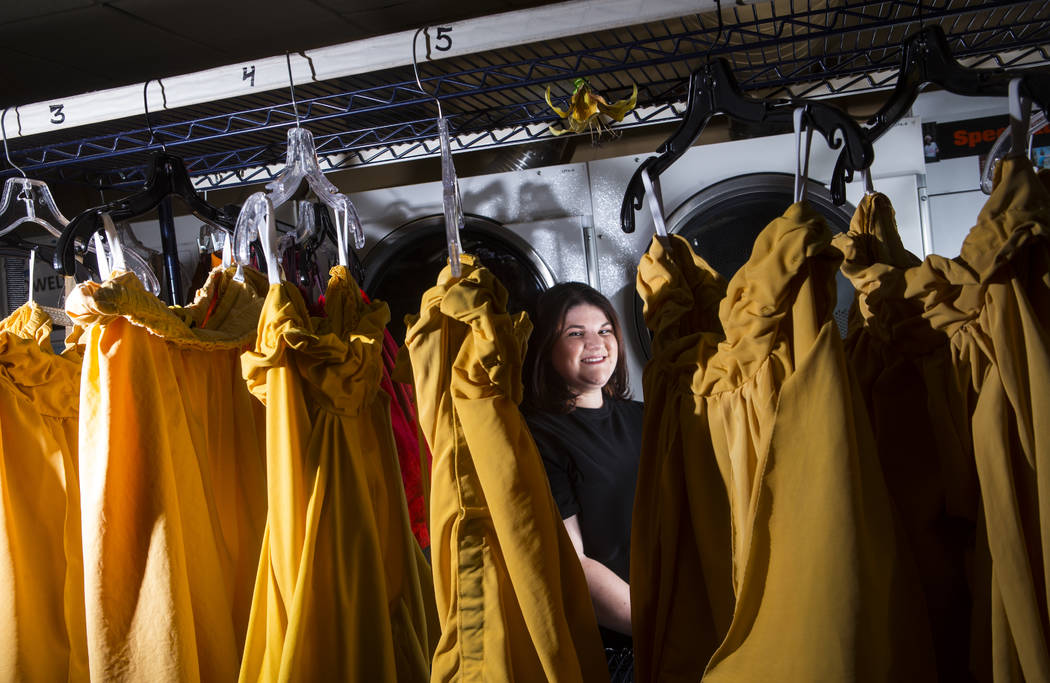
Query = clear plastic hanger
x=116 y=248
x=865 y=176
x=33 y=193
x=656 y=204
x=227 y=252
x=105 y=270
x=256 y=220
x=57 y=315
x=1020 y=116
x=111 y=255
x=32 y=274
x=452 y=201
x=301 y=164
x=1016 y=139
x=801 y=155
x=22 y=196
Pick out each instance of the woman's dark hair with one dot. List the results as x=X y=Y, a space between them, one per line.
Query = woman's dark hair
x=545 y=389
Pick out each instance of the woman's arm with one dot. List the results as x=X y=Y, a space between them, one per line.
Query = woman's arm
x=610 y=594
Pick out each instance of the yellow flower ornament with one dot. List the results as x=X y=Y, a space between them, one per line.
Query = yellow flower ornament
x=586 y=109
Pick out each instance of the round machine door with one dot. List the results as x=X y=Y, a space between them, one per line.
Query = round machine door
x=405 y=263
x=722 y=221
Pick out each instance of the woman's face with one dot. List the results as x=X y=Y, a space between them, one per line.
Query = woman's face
x=585 y=352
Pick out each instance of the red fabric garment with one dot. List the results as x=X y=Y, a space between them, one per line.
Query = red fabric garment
x=412 y=451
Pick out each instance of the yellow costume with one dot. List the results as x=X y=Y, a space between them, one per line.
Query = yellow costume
x=920 y=422
x=821 y=592
x=993 y=303
x=41 y=570
x=681 y=555
x=510 y=591
x=172 y=471
x=338 y=594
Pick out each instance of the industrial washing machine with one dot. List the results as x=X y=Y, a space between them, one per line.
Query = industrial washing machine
x=720 y=196
x=559 y=223
x=527 y=226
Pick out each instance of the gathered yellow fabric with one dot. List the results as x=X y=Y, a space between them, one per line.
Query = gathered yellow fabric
x=821 y=591
x=681 y=554
x=42 y=634
x=172 y=472
x=511 y=594
x=339 y=593
x=920 y=422
x=993 y=302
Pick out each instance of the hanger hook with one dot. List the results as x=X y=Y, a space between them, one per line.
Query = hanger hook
x=7 y=152
x=415 y=69
x=149 y=123
x=32 y=271
x=291 y=87
x=721 y=27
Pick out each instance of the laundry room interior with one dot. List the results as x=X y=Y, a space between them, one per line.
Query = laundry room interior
x=556 y=197
x=306 y=232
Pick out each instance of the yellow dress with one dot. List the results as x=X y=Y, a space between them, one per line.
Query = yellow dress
x=172 y=473
x=681 y=555
x=41 y=570
x=511 y=594
x=993 y=303
x=338 y=594
x=920 y=421
x=821 y=591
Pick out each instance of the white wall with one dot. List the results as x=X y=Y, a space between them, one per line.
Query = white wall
x=953 y=185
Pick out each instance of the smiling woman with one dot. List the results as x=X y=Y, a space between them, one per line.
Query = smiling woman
x=588 y=432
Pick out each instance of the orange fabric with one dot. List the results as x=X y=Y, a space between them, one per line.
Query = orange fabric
x=172 y=479
x=339 y=594
x=42 y=632
x=993 y=303
x=821 y=590
x=510 y=590
x=681 y=553
x=920 y=421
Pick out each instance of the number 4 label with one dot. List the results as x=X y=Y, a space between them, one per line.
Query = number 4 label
x=248 y=74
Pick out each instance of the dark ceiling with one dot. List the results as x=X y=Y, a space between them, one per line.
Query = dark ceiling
x=51 y=48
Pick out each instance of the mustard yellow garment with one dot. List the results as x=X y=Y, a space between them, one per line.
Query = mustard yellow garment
x=821 y=592
x=338 y=594
x=919 y=418
x=172 y=473
x=510 y=591
x=41 y=569
x=681 y=554
x=993 y=302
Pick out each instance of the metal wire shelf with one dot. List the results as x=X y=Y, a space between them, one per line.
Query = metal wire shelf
x=811 y=48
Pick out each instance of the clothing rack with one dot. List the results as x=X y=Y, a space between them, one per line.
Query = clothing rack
x=495 y=97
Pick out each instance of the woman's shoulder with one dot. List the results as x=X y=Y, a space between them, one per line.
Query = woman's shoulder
x=542 y=419
x=627 y=405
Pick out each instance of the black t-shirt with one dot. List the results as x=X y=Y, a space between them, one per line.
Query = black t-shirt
x=591 y=456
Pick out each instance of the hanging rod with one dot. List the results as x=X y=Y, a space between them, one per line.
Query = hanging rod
x=455 y=39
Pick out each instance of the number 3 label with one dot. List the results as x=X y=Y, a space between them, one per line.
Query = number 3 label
x=57 y=115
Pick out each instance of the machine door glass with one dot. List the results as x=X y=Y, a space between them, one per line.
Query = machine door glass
x=405 y=263
x=722 y=221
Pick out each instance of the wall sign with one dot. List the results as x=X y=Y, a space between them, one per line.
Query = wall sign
x=969 y=137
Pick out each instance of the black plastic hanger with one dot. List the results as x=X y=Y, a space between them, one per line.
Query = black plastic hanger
x=167 y=178
x=927 y=59
x=714 y=90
